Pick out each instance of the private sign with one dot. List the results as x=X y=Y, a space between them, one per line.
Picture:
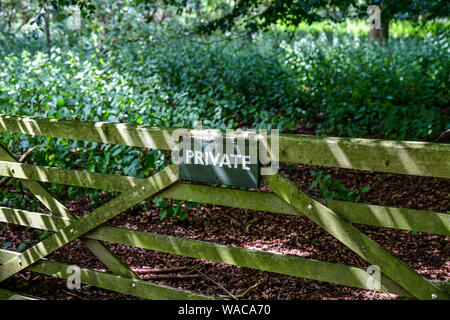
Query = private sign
x=226 y=161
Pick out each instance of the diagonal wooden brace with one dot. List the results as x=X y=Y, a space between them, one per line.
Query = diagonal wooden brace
x=38 y=190
x=354 y=239
x=89 y=222
x=106 y=256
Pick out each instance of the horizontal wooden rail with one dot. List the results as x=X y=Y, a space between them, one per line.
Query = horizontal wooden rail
x=407 y=219
x=283 y=264
x=355 y=240
x=414 y=158
x=107 y=182
x=390 y=217
x=382 y=216
x=8 y=295
x=114 y=264
x=134 y=287
x=290 y=265
x=96 y=218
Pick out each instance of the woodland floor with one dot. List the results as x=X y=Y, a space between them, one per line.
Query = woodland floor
x=427 y=254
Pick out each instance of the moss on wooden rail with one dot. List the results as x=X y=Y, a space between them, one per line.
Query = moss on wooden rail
x=109 y=259
x=414 y=158
x=8 y=295
x=88 y=222
x=356 y=240
x=284 y=264
x=83 y=179
x=290 y=265
x=407 y=219
x=426 y=159
x=391 y=217
x=134 y=287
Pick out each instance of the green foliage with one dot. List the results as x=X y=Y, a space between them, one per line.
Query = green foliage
x=349 y=85
x=21 y=247
x=333 y=190
x=228 y=83
x=176 y=209
x=259 y=14
x=126 y=70
x=44 y=235
x=359 y=88
x=7 y=244
x=28 y=243
x=17 y=198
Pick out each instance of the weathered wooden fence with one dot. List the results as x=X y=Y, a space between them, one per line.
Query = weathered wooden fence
x=336 y=217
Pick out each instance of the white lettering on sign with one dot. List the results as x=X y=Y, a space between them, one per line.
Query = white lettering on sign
x=235 y=161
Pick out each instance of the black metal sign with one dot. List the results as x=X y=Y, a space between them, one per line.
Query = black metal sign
x=230 y=161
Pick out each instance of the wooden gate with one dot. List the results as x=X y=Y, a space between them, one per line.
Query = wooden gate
x=336 y=217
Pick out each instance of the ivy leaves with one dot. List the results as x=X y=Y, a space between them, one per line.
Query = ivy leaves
x=333 y=190
x=176 y=209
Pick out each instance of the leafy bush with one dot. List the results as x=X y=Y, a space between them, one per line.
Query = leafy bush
x=175 y=209
x=331 y=189
x=337 y=81
x=399 y=91
x=344 y=83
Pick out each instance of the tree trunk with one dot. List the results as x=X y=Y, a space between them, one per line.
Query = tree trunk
x=382 y=34
x=47 y=28
x=11 y=15
x=24 y=10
